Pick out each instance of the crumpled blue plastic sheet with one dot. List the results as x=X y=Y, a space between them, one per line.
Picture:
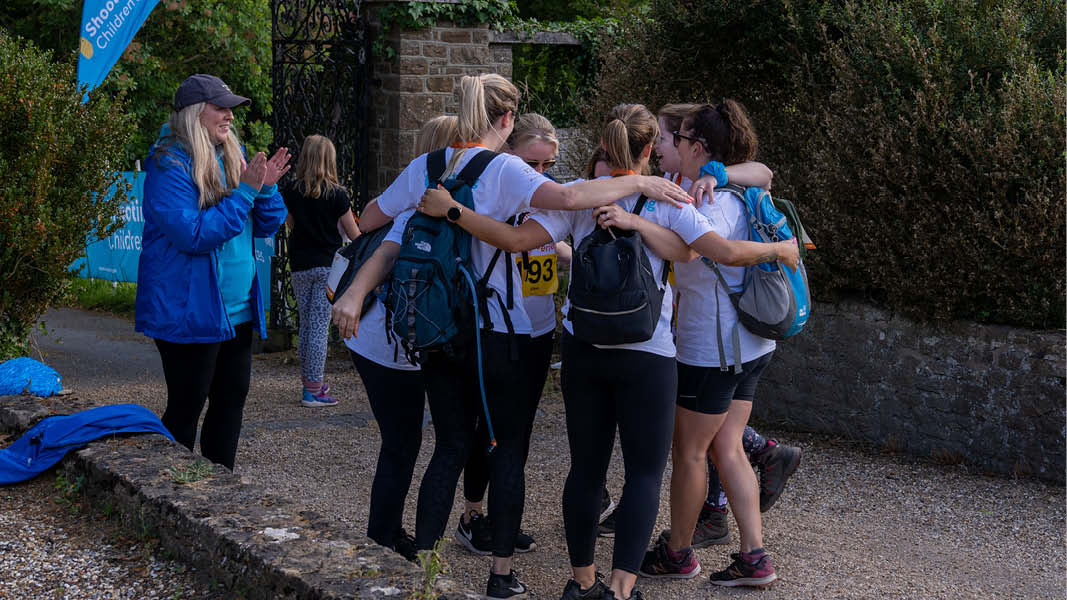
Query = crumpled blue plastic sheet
x=25 y=375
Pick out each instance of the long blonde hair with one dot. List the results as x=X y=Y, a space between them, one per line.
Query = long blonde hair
x=482 y=100
x=436 y=133
x=530 y=128
x=186 y=127
x=629 y=129
x=316 y=169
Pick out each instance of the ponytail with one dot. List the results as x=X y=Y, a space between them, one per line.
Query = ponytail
x=726 y=130
x=617 y=145
x=482 y=100
x=630 y=128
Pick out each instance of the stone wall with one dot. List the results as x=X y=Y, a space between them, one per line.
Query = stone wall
x=990 y=396
x=419 y=84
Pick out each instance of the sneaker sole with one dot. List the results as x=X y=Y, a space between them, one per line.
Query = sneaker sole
x=525 y=550
x=748 y=581
x=688 y=575
x=605 y=534
x=463 y=541
x=316 y=404
x=788 y=470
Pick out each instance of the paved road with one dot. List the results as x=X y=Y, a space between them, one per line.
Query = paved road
x=854 y=523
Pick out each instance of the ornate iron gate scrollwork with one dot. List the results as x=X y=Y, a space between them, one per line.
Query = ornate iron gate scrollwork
x=319 y=73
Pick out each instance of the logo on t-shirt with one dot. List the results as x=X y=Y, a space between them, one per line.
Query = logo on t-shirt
x=650 y=206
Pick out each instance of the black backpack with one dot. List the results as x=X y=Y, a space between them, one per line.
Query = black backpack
x=614 y=296
x=348 y=260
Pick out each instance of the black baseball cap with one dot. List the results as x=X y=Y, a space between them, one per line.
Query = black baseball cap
x=206 y=88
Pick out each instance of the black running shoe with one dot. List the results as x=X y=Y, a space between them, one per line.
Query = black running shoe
x=776 y=463
x=404 y=545
x=573 y=591
x=505 y=586
x=712 y=529
x=607 y=526
x=524 y=543
x=747 y=570
x=476 y=535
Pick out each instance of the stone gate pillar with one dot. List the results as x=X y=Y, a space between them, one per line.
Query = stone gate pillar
x=419 y=84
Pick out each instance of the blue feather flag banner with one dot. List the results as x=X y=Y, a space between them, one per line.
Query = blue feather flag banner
x=107 y=27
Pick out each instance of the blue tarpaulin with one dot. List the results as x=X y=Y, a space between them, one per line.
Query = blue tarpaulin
x=24 y=374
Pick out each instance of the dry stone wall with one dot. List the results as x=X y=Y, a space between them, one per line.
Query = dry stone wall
x=991 y=396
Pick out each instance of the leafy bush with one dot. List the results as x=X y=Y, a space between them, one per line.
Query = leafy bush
x=231 y=40
x=923 y=139
x=56 y=155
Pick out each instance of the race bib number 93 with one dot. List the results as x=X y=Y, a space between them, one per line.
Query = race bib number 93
x=541 y=278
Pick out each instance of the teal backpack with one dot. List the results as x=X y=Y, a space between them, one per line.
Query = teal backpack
x=432 y=301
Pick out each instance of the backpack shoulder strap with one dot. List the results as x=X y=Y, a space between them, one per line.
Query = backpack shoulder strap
x=733 y=188
x=640 y=206
x=435 y=165
x=666 y=264
x=476 y=167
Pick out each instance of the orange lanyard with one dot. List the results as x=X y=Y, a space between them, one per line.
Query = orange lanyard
x=678 y=178
x=468 y=145
x=617 y=172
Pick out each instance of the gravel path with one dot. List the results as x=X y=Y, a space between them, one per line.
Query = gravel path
x=853 y=523
x=57 y=551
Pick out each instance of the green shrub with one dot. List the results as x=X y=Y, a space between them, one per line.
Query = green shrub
x=923 y=140
x=56 y=155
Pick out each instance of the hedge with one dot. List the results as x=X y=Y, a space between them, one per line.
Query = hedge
x=922 y=139
x=57 y=158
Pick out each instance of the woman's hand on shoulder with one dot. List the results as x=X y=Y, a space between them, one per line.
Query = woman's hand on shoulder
x=436 y=202
x=658 y=188
x=255 y=171
x=703 y=188
x=277 y=166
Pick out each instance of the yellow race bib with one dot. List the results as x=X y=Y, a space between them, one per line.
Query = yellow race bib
x=541 y=278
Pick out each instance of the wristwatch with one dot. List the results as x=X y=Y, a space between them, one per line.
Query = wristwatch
x=454 y=213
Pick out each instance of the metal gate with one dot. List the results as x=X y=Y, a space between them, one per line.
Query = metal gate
x=320 y=85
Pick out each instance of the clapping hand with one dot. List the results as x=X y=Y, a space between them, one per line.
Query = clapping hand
x=255 y=171
x=277 y=166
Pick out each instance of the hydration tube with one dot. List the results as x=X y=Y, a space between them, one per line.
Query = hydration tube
x=478 y=346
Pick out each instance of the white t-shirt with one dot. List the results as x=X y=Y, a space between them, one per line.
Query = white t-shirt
x=699 y=290
x=373 y=342
x=503 y=190
x=686 y=222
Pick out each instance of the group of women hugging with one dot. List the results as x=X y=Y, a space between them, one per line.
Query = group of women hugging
x=668 y=395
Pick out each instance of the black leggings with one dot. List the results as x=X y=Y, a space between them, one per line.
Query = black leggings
x=637 y=391
x=476 y=472
x=455 y=405
x=396 y=399
x=217 y=372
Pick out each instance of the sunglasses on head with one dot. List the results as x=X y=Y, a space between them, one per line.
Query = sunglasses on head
x=545 y=164
x=678 y=137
